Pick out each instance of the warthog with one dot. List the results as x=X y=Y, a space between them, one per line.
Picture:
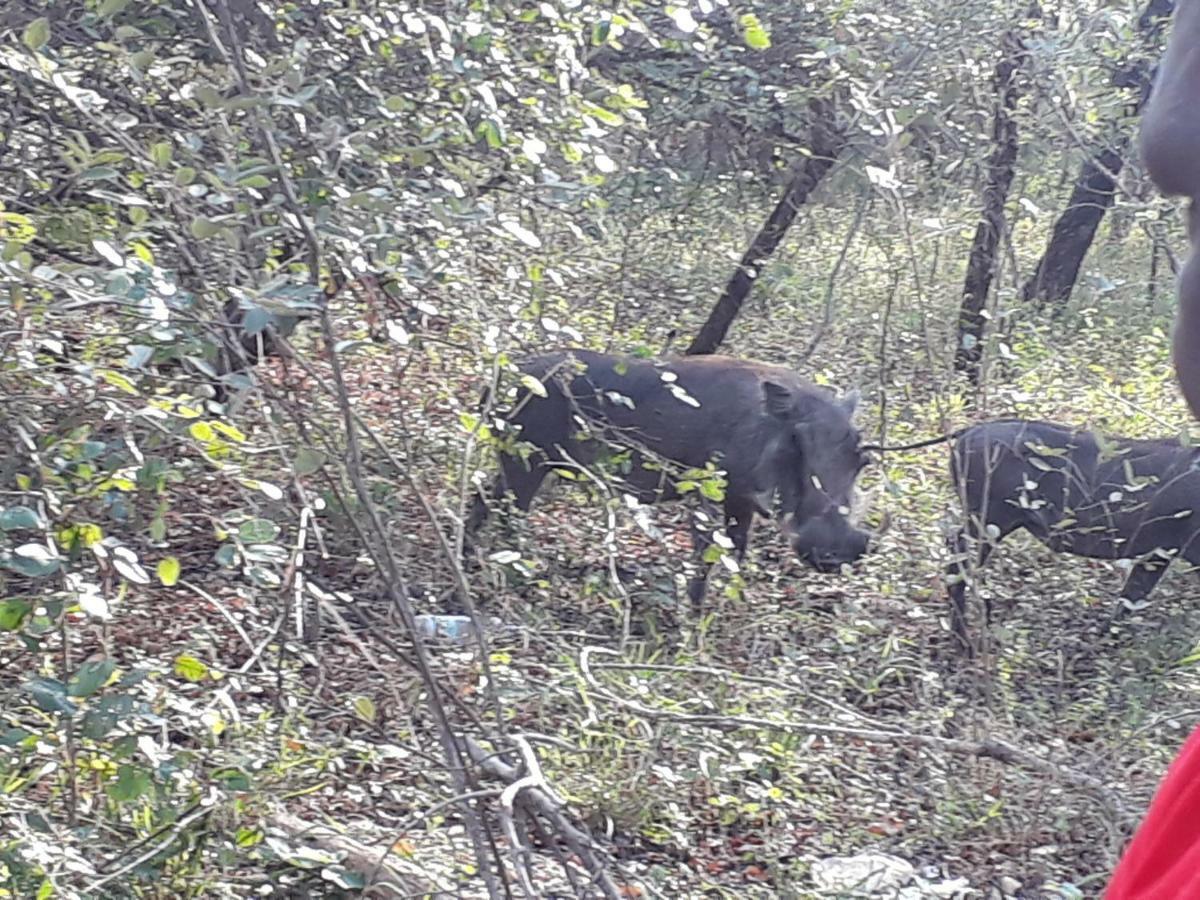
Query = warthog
x=772 y=433
x=1170 y=145
x=1076 y=492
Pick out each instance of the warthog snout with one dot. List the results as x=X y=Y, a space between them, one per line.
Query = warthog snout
x=827 y=544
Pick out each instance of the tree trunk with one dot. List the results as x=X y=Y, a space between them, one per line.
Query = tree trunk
x=827 y=144
x=1094 y=191
x=981 y=265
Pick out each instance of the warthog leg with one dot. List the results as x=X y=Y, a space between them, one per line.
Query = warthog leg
x=1138 y=584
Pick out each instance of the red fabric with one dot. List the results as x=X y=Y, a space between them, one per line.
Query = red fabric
x=1162 y=862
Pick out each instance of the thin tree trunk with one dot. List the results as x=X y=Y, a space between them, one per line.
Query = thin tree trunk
x=981 y=265
x=1073 y=232
x=827 y=144
x=1095 y=189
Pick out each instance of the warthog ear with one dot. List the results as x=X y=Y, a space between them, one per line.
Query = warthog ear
x=850 y=402
x=779 y=400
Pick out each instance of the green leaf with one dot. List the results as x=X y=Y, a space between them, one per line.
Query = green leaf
x=202 y=431
x=51 y=695
x=110 y=8
x=134 y=677
x=160 y=153
x=119 y=381
x=119 y=285
x=168 y=571
x=16 y=517
x=158 y=528
x=233 y=779
x=344 y=878
x=32 y=561
x=99 y=173
x=607 y=116
x=138 y=215
x=209 y=96
x=91 y=677
x=533 y=385
x=203 y=228
x=130 y=569
x=13 y=613
x=1190 y=660
x=753 y=32
x=184 y=176
x=492 y=133
x=255 y=181
x=248 y=837
x=105 y=714
x=258 y=531
x=365 y=708
x=190 y=668
x=471 y=424
x=14 y=736
x=308 y=461
x=45 y=890
x=131 y=783
x=36 y=34
x=256 y=319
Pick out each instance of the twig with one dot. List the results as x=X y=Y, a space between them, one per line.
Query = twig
x=728 y=674
x=183 y=823
x=220 y=607
x=533 y=778
x=610 y=545
x=298 y=571
x=72 y=773
x=264 y=643
x=538 y=801
x=831 y=285
x=884 y=334
x=325 y=604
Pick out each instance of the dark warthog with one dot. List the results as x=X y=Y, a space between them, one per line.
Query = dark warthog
x=1076 y=492
x=769 y=430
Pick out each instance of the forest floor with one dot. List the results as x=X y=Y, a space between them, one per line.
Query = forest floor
x=802 y=719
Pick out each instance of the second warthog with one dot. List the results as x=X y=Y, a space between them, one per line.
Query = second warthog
x=1077 y=492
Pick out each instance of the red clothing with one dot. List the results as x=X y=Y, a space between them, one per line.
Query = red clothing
x=1162 y=862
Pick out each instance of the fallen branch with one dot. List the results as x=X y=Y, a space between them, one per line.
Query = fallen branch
x=989 y=748
x=533 y=800
x=219 y=607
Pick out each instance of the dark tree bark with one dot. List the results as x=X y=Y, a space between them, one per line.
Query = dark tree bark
x=1095 y=188
x=828 y=142
x=981 y=265
x=1074 y=230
